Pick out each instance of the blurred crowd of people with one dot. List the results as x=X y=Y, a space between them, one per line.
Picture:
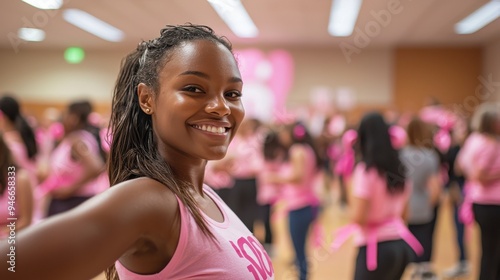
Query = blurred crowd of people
x=59 y=161
x=392 y=173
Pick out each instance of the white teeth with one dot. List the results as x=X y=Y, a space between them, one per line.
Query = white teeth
x=212 y=129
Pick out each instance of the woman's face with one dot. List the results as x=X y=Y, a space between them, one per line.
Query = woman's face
x=285 y=136
x=497 y=125
x=198 y=107
x=69 y=121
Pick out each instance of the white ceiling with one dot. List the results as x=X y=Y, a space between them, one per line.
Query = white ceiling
x=283 y=23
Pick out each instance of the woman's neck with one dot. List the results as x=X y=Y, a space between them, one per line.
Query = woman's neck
x=190 y=171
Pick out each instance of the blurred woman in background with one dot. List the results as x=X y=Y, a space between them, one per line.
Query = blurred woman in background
x=378 y=200
x=297 y=178
x=243 y=163
x=76 y=162
x=15 y=191
x=422 y=166
x=479 y=160
x=19 y=136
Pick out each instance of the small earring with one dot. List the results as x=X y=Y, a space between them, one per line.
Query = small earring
x=148 y=111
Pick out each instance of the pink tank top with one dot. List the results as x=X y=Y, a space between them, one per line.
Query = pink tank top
x=235 y=254
x=65 y=171
x=247 y=157
x=383 y=222
x=302 y=194
x=480 y=152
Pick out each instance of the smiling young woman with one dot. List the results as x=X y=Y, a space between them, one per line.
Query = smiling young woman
x=176 y=105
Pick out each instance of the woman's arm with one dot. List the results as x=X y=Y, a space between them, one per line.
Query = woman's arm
x=298 y=162
x=406 y=212
x=434 y=186
x=359 y=209
x=81 y=243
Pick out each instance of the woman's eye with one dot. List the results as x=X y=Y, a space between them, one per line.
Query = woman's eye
x=233 y=94
x=193 y=89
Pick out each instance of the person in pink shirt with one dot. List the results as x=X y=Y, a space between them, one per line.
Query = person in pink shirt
x=297 y=179
x=176 y=104
x=19 y=136
x=16 y=195
x=76 y=163
x=268 y=194
x=243 y=163
x=479 y=161
x=21 y=140
x=378 y=201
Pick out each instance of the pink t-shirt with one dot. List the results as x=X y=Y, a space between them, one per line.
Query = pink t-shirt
x=217 y=179
x=268 y=193
x=236 y=253
x=481 y=153
x=302 y=194
x=385 y=210
x=247 y=157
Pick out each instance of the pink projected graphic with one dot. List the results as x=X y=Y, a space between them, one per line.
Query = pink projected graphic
x=267 y=80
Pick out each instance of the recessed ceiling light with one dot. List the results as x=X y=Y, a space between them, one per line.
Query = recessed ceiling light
x=479 y=19
x=31 y=34
x=45 y=4
x=343 y=16
x=236 y=17
x=93 y=25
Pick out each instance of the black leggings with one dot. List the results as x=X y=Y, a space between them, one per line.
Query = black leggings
x=392 y=259
x=488 y=217
x=244 y=201
x=423 y=233
x=265 y=216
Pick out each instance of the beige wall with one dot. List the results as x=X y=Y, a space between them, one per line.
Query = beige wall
x=369 y=76
x=491 y=69
x=378 y=78
x=449 y=74
x=42 y=78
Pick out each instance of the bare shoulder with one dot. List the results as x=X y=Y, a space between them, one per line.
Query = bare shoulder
x=140 y=202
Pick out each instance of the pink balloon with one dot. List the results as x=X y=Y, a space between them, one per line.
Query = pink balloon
x=57 y=130
x=398 y=136
x=282 y=78
x=442 y=140
x=349 y=138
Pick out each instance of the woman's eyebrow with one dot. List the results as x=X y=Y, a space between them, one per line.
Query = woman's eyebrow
x=206 y=76
x=196 y=73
